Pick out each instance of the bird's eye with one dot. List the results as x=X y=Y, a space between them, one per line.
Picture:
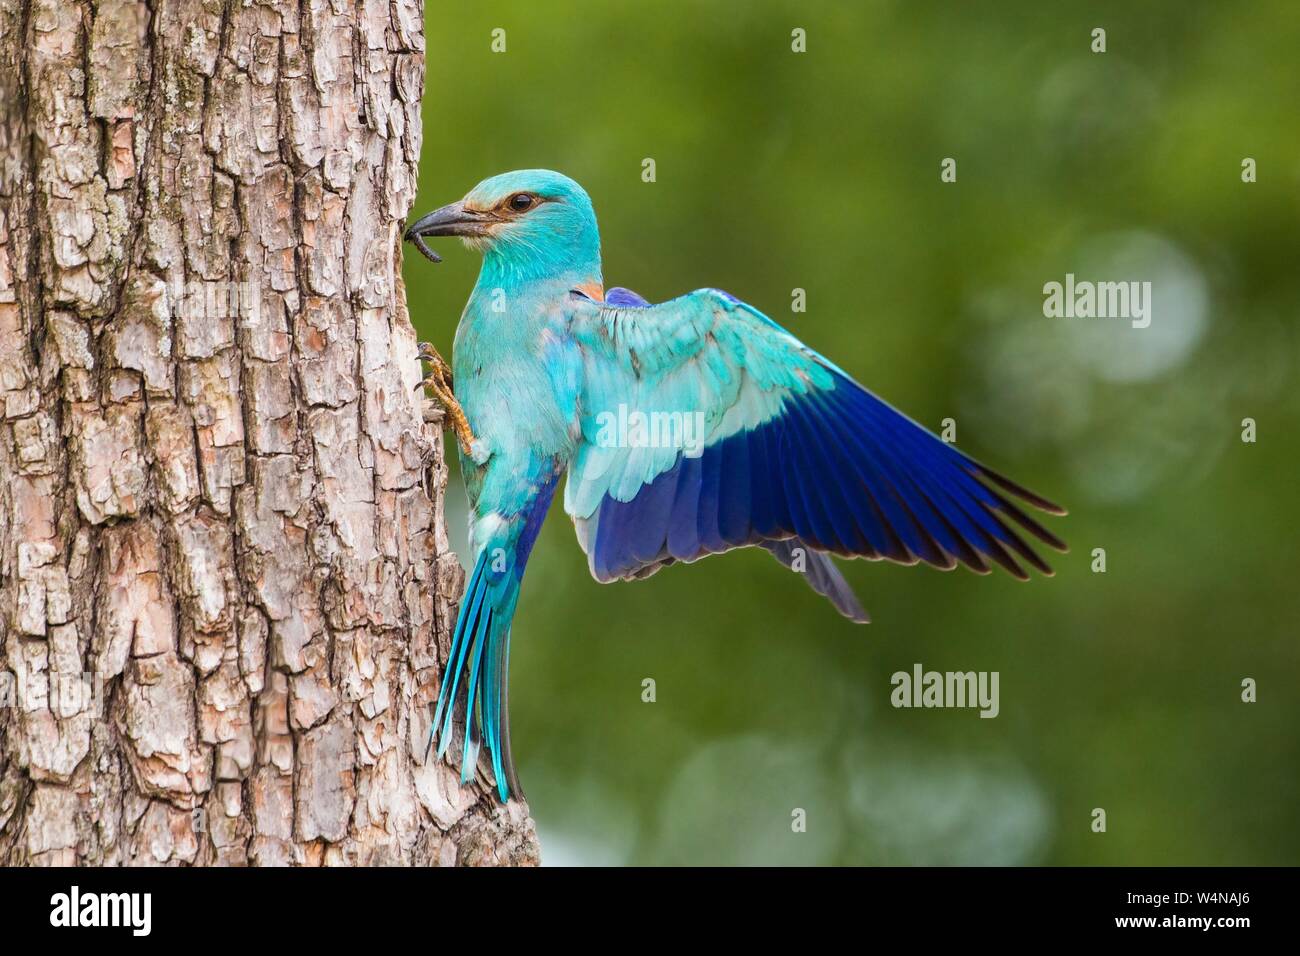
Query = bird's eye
x=520 y=202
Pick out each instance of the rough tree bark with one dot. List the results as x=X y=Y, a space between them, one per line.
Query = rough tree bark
x=225 y=587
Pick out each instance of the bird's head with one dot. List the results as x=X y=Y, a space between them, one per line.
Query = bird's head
x=533 y=223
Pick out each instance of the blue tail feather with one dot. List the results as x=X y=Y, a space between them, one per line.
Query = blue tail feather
x=480 y=648
x=479 y=645
x=470 y=606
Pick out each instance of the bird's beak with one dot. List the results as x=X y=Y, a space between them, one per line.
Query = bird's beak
x=450 y=220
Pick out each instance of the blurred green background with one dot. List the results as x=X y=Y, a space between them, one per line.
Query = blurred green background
x=776 y=170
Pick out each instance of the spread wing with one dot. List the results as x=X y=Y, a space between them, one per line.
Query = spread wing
x=706 y=427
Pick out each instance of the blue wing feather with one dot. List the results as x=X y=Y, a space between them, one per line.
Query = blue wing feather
x=626 y=298
x=796 y=451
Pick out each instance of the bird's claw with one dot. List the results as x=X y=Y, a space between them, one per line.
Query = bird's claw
x=438 y=382
x=427 y=353
x=439 y=375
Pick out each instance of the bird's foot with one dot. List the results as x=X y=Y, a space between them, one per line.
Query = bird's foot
x=428 y=354
x=438 y=382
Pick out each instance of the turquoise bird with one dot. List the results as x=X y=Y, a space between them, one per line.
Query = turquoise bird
x=684 y=429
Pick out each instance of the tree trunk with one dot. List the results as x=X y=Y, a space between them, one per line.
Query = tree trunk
x=225 y=588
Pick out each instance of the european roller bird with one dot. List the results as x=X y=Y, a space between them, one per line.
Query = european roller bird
x=740 y=435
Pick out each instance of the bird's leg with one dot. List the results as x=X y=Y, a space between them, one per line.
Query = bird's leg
x=438 y=381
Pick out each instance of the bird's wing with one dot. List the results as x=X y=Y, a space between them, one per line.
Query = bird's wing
x=747 y=436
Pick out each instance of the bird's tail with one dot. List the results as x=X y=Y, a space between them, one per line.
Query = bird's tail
x=480 y=648
x=479 y=660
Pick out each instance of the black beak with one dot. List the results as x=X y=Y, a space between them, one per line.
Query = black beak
x=451 y=220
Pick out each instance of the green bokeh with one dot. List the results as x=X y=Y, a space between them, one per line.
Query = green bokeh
x=778 y=170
